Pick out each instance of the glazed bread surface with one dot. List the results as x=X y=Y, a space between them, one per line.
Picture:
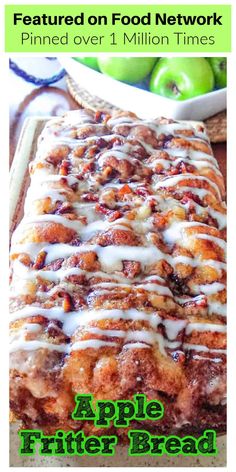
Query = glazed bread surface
x=118 y=274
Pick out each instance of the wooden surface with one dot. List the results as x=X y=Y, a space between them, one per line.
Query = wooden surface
x=27 y=100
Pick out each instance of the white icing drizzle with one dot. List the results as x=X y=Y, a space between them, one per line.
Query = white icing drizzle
x=191 y=154
x=34 y=345
x=216 y=328
x=32 y=249
x=173 y=329
x=217 y=308
x=86 y=231
x=72 y=320
x=118 y=154
x=170 y=202
x=160 y=128
x=92 y=343
x=39 y=192
x=111 y=257
x=26 y=273
x=198 y=347
x=35 y=193
x=32 y=327
x=183 y=300
x=218 y=216
x=113 y=333
x=208 y=289
x=160 y=289
x=41 y=176
x=214 y=239
x=211 y=359
x=167 y=163
x=199 y=164
x=174 y=232
x=176 y=179
x=47 y=218
x=132 y=337
x=136 y=345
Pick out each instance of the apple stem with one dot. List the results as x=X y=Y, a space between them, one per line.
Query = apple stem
x=222 y=65
x=173 y=87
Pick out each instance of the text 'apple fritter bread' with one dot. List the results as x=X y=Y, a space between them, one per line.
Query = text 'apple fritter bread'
x=118 y=274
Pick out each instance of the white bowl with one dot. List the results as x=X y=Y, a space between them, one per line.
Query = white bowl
x=145 y=104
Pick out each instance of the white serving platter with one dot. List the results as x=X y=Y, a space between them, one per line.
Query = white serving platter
x=142 y=102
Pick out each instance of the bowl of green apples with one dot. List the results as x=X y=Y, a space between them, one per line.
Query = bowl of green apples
x=188 y=88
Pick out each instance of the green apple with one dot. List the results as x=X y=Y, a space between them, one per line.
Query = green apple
x=91 y=62
x=127 y=69
x=219 y=67
x=181 y=78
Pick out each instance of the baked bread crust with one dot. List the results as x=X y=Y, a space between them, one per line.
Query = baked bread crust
x=118 y=274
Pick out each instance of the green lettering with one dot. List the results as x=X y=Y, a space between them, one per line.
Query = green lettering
x=106 y=413
x=46 y=441
x=139 y=442
x=125 y=411
x=157 y=444
x=189 y=446
x=83 y=408
x=92 y=445
x=108 y=445
x=173 y=445
x=207 y=443
x=28 y=438
x=155 y=410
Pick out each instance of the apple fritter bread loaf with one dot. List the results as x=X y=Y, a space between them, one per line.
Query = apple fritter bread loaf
x=118 y=274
